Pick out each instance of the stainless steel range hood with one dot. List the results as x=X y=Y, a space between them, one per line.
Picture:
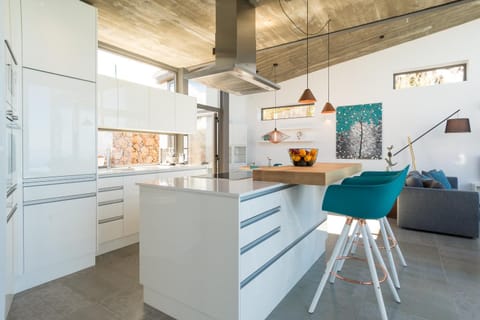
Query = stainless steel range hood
x=234 y=70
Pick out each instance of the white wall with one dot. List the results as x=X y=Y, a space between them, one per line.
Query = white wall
x=407 y=112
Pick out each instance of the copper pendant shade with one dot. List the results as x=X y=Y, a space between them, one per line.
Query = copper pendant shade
x=328 y=108
x=275 y=136
x=307 y=95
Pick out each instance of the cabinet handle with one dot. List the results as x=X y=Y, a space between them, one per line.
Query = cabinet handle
x=107 y=220
x=12 y=212
x=107 y=202
x=11 y=52
x=11 y=190
x=37 y=182
x=106 y=189
x=259 y=217
x=259 y=240
x=58 y=199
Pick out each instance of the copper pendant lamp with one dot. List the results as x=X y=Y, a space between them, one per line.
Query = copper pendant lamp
x=328 y=108
x=307 y=95
x=275 y=136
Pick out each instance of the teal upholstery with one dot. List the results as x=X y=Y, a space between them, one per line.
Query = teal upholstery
x=365 y=197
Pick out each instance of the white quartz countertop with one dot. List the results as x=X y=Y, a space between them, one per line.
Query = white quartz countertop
x=223 y=187
x=136 y=170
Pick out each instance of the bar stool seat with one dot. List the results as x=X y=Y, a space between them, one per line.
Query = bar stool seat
x=361 y=202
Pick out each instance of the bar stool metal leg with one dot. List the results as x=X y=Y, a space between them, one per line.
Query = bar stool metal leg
x=373 y=270
x=397 y=247
x=378 y=256
x=331 y=263
x=349 y=247
x=386 y=243
x=339 y=263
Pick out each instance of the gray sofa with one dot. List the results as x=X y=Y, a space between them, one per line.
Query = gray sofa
x=451 y=211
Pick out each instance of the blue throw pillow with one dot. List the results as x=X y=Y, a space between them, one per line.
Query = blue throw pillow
x=440 y=176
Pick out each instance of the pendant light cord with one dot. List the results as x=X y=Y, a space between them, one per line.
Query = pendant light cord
x=328 y=60
x=275 y=65
x=307 y=46
x=296 y=25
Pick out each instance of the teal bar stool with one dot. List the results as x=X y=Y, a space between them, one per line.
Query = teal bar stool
x=361 y=202
x=389 y=239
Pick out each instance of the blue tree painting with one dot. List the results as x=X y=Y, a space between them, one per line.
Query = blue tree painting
x=359 y=131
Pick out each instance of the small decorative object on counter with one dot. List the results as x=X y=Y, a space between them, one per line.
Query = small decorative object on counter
x=303 y=157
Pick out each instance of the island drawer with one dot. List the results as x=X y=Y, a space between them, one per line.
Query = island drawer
x=109 y=194
x=110 y=230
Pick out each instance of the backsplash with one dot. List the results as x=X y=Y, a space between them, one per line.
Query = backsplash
x=129 y=148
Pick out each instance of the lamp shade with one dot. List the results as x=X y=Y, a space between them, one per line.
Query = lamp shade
x=457 y=125
x=307 y=97
x=275 y=136
x=328 y=108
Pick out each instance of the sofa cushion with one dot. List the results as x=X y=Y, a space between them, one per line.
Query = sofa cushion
x=439 y=176
x=417 y=180
x=434 y=184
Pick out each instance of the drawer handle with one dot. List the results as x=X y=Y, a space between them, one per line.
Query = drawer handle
x=58 y=199
x=106 y=189
x=259 y=240
x=259 y=217
x=107 y=220
x=11 y=190
x=107 y=202
x=267 y=264
x=12 y=212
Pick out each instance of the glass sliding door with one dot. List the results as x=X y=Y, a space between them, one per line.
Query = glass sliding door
x=203 y=144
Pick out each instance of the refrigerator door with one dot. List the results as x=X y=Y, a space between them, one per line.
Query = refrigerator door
x=59 y=125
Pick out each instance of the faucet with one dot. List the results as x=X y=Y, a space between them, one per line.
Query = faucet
x=269 y=161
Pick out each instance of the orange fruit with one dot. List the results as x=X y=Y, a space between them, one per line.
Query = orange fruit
x=302 y=152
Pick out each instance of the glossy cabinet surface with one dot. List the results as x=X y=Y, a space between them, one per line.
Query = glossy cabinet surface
x=132 y=105
x=59 y=125
x=185 y=114
x=127 y=105
x=161 y=110
x=107 y=102
x=59 y=36
x=57 y=232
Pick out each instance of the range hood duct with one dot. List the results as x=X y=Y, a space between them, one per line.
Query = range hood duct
x=234 y=69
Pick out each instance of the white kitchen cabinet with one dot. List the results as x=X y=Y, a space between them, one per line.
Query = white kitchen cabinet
x=185 y=113
x=59 y=238
x=132 y=105
x=60 y=36
x=59 y=125
x=161 y=110
x=107 y=102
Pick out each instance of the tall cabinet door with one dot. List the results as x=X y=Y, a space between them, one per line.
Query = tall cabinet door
x=59 y=36
x=59 y=125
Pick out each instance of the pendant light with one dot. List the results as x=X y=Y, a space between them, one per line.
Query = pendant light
x=307 y=95
x=328 y=108
x=275 y=136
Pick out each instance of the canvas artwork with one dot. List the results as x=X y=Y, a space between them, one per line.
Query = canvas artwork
x=359 y=131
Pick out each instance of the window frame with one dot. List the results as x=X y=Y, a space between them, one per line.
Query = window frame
x=446 y=66
x=287 y=106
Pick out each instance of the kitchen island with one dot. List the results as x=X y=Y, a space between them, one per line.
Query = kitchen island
x=215 y=248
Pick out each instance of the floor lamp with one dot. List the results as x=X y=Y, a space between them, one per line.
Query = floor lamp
x=456 y=125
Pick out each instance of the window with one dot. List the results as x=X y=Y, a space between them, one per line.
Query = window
x=288 y=112
x=430 y=77
x=121 y=67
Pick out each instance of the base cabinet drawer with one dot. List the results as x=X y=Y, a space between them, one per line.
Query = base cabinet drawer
x=111 y=210
x=110 y=230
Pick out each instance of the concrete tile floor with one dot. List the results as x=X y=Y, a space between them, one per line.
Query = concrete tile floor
x=442 y=281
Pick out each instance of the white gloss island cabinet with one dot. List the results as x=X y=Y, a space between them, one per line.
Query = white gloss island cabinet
x=59 y=44
x=130 y=106
x=226 y=249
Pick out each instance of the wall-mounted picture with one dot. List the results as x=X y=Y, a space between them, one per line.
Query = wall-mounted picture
x=359 y=131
